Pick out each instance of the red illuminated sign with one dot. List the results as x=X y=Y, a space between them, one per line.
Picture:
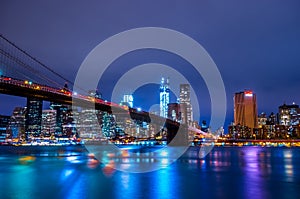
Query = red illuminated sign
x=248 y=93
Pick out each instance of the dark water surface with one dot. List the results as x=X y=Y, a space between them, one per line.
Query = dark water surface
x=226 y=172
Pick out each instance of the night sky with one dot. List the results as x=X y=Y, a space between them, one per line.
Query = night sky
x=255 y=44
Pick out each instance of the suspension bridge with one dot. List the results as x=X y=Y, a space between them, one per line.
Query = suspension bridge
x=25 y=76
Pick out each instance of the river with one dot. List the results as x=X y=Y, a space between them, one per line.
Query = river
x=226 y=172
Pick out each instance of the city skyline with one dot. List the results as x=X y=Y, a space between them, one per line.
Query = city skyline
x=37 y=116
x=46 y=105
x=243 y=64
x=150 y=99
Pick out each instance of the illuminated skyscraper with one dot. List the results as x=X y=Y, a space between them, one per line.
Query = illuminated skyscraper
x=164 y=94
x=245 y=109
x=185 y=104
x=48 y=122
x=33 y=117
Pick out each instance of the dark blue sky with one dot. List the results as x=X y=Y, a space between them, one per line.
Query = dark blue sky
x=255 y=44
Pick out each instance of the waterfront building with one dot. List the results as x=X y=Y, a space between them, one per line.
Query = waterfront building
x=48 y=122
x=4 y=120
x=289 y=114
x=262 y=119
x=272 y=119
x=88 y=125
x=61 y=112
x=240 y=132
x=245 y=109
x=16 y=126
x=164 y=94
x=69 y=126
x=108 y=125
x=33 y=117
x=185 y=104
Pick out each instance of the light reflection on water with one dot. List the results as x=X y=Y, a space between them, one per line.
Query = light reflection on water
x=226 y=172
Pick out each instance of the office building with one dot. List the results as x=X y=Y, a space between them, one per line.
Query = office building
x=164 y=94
x=245 y=109
x=17 y=122
x=262 y=119
x=185 y=104
x=289 y=114
x=88 y=125
x=61 y=112
x=33 y=117
x=48 y=122
x=4 y=120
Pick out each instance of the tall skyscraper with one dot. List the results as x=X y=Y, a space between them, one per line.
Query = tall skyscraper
x=185 y=104
x=164 y=94
x=245 y=109
x=33 y=116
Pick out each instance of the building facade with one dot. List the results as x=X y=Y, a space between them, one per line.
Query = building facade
x=17 y=122
x=33 y=117
x=185 y=104
x=289 y=114
x=245 y=109
x=164 y=96
x=49 y=122
x=4 y=124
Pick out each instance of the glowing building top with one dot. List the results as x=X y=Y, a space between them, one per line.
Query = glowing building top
x=245 y=109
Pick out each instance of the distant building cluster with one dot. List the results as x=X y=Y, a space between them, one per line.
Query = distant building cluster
x=180 y=111
x=61 y=123
x=249 y=125
x=31 y=123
